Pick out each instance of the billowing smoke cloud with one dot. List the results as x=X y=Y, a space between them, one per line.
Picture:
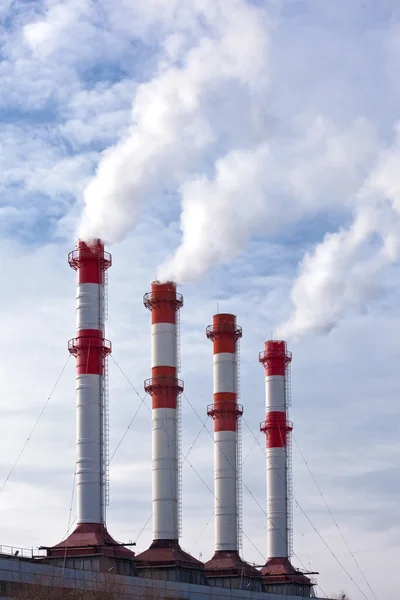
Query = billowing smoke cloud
x=261 y=190
x=200 y=129
x=204 y=97
x=342 y=274
x=216 y=221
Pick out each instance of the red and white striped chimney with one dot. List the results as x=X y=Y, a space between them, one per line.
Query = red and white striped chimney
x=164 y=387
x=225 y=411
x=90 y=349
x=277 y=428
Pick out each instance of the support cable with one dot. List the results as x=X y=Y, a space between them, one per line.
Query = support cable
x=201 y=533
x=294 y=554
x=126 y=430
x=74 y=480
x=69 y=521
x=203 y=425
x=333 y=518
x=250 y=450
x=184 y=458
x=143 y=528
x=315 y=529
x=70 y=525
x=143 y=401
x=244 y=484
x=127 y=378
x=34 y=427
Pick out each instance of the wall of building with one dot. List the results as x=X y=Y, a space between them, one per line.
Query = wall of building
x=19 y=571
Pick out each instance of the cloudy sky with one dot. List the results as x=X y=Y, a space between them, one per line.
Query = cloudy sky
x=251 y=151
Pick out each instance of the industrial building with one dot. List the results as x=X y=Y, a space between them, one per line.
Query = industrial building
x=90 y=556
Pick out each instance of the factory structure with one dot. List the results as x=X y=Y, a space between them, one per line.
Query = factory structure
x=90 y=554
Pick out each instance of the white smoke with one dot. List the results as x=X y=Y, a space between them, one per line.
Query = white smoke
x=216 y=220
x=177 y=119
x=200 y=127
x=261 y=190
x=343 y=273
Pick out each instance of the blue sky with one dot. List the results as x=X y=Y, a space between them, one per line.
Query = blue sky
x=299 y=109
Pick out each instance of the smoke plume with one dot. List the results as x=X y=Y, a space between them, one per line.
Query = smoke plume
x=343 y=273
x=200 y=129
x=211 y=75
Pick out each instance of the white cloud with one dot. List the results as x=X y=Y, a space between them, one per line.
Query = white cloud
x=46 y=34
x=98 y=115
x=73 y=30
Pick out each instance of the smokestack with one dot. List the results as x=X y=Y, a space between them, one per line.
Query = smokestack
x=278 y=570
x=225 y=411
x=226 y=562
x=165 y=388
x=91 y=349
x=277 y=428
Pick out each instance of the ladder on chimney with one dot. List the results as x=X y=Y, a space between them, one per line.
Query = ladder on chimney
x=105 y=409
x=289 y=488
x=105 y=405
x=179 y=461
x=239 y=495
x=105 y=295
x=178 y=341
x=179 y=425
x=288 y=387
x=289 y=468
x=239 y=456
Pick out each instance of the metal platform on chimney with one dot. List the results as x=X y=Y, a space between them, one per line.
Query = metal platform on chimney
x=165 y=559
x=280 y=576
x=226 y=569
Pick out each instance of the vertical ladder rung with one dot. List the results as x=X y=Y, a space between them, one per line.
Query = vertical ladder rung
x=104 y=407
x=239 y=498
x=178 y=341
x=289 y=474
x=179 y=425
x=179 y=461
x=106 y=430
x=105 y=287
x=239 y=455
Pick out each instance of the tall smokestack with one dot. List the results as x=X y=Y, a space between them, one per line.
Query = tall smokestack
x=225 y=411
x=91 y=349
x=165 y=388
x=278 y=570
x=277 y=428
x=226 y=562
